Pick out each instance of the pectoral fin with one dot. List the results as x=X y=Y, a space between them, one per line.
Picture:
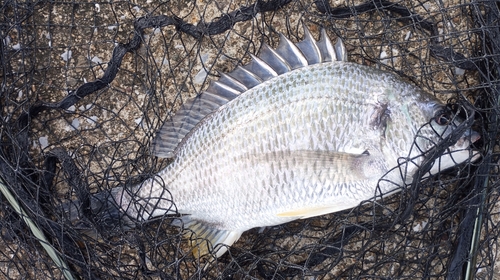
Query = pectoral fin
x=204 y=239
x=345 y=167
x=333 y=168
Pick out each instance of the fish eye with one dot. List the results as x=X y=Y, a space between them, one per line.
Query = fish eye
x=443 y=117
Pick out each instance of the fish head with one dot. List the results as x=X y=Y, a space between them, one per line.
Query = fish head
x=448 y=133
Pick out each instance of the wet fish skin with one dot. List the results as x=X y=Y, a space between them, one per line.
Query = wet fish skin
x=311 y=141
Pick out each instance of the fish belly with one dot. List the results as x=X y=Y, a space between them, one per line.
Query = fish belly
x=285 y=145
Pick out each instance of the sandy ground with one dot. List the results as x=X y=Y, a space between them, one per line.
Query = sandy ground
x=108 y=134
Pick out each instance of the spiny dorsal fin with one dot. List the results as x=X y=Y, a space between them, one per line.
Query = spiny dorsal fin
x=326 y=48
x=260 y=68
x=291 y=53
x=274 y=60
x=269 y=64
x=309 y=48
x=246 y=77
x=191 y=112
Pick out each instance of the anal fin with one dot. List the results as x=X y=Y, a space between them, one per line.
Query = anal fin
x=204 y=239
x=308 y=212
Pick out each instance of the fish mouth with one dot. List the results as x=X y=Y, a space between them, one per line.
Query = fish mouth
x=467 y=139
x=474 y=136
x=457 y=154
x=475 y=153
x=464 y=147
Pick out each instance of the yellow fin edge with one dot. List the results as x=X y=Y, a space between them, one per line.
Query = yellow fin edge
x=308 y=212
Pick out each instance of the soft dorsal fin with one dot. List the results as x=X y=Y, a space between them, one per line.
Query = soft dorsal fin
x=269 y=64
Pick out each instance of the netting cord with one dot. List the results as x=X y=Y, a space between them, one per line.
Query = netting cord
x=465 y=257
x=268 y=270
x=225 y=22
x=407 y=17
x=53 y=254
x=16 y=183
x=464 y=235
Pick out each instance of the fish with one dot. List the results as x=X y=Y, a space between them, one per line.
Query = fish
x=296 y=133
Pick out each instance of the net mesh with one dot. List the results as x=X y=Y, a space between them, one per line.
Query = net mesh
x=85 y=86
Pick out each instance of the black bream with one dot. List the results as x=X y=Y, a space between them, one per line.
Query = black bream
x=298 y=132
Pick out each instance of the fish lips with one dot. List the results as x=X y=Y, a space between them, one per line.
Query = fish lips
x=469 y=137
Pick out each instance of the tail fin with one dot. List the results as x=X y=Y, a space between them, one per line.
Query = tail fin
x=103 y=214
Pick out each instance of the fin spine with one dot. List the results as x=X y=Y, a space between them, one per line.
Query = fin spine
x=268 y=64
x=204 y=239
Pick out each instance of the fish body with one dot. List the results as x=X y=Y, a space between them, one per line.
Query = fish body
x=268 y=144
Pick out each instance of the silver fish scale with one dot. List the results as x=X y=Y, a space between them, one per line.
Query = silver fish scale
x=266 y=144
x=239 y=168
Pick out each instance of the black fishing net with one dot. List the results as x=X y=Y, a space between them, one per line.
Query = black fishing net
x=85 y=86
